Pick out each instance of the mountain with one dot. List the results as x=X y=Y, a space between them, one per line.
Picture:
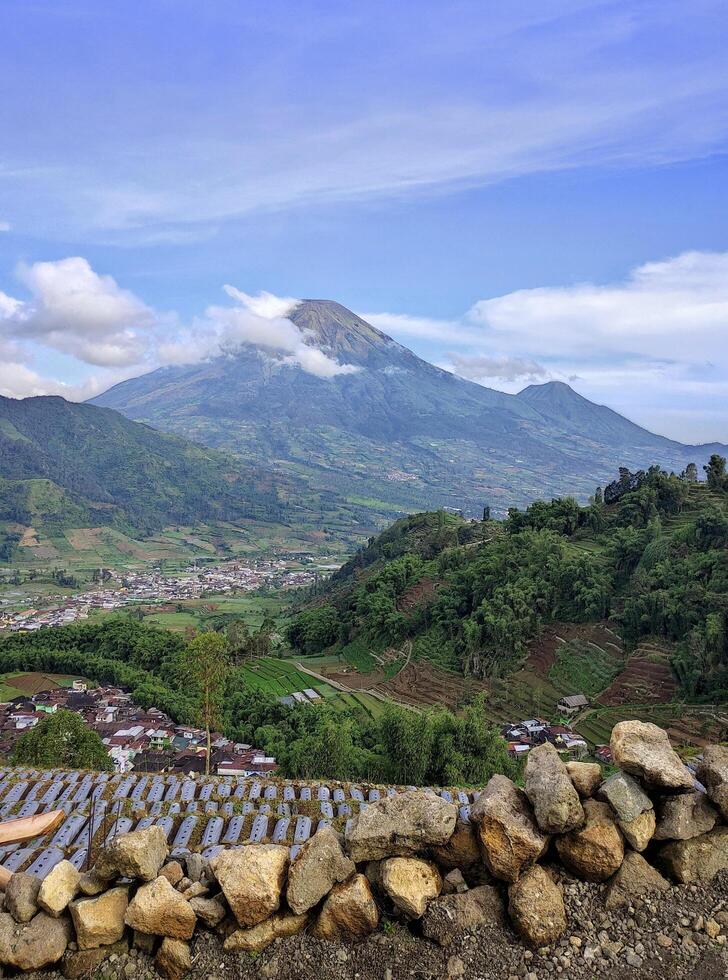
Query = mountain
x=394 y=432
x=67 y=465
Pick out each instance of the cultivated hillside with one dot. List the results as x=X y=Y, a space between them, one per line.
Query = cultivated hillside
x=397 y=433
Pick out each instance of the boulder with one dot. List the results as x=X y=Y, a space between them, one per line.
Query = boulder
x=536 y=907
x=634 y=879
x=210 y=911
x=461 y=851
x=198 y=867
x=173 y=959
x=510 y=838
x=684 y=816
x=100 y=921
x=252 y=880
x=586 y=777
x=595 y=851
x=349 y=911
x=453 y=882
x=555 y=802
x=139 y=854
x=643 y=750
x=21 y=896
x=159 y=909
x=625 y=796
x=638 y=832
x=33 y=945
x=411 y=883
x=320 y=864
x=449 y=916
x=59 y=887
x=82 y=962
x=713 y=774
x=696 y=859
x=281 y=925
x=90 y=884
x=400 y=825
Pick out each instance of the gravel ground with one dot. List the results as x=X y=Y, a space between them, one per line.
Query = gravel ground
x=662 y=936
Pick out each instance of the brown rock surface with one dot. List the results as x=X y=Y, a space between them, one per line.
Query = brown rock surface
x=411 y=883
x=100 y=921
x=555 y=801
x=319 y=865
x=21 y=896
x=595 y=851
x=586 y=777
x=461 y=851
x=32 y=945
x=510 y=838
x=252 y=880
x=696 y=859
x=634 y=879
x=713 y=774
x=349 y=912
x=83 y=962
x=210 y=911
x=401 y=825
x=536 y=907
x=139 y=854
x=684 y=816
x=159 y=909
x=643 y=750
x=59 y=887
x=639 y=832
x=173 y=959
x=449 y=916
x=278 y=926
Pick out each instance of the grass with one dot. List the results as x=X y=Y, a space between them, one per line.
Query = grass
x=584 y=668
x=359 y=657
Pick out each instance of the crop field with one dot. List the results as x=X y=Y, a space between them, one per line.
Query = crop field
x=584 y=667
x=19 y=683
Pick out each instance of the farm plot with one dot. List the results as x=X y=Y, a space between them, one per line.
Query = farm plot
x=421 y=684
x=646 y=678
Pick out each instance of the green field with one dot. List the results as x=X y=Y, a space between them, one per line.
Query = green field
x=584 y=667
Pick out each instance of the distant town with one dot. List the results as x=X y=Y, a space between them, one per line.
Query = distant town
x=116 y=589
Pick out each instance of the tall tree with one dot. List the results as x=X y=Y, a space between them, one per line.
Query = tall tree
x=206 y=665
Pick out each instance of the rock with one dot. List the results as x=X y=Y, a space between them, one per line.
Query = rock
x=32 y=945
x=555 y=802
x=634 y=879
x=320 y=864
x=349 y=911
x=643 y=750
x=173 y=872
x=139 y=854
x=536 y=907
x=195 y=890
x=411 y=883
x=449 y=916
x=586 y=777
x=159 y=909
x=173 y=959
x=278 y=926
x=510 y=838
x=595 y=851
x=21 y=896
x=461 y=851
x=100 y=921
x=713 y=774
x=90 y=884
x=638 y=832
x=401 y=825
x=696 y=859
x=252 y=880
x=453 y=882
x=625 y=796
x=210 y=911
x=684 y=816
x=712 y=929
x=81 y=962
x=144 y=941
x=198 y=867
x=59 y=887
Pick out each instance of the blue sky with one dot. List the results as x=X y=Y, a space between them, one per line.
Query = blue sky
x=516 y=191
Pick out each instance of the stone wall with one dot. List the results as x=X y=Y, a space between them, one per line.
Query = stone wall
x=411 y=855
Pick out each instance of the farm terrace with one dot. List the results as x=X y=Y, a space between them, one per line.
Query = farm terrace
x=202 y=815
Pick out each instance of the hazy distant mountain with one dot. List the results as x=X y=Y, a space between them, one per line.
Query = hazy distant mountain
x=397 y=432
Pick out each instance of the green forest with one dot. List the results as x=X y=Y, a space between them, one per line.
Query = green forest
x=649 y=551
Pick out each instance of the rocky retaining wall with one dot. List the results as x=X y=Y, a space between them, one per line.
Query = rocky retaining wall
x=409 y=856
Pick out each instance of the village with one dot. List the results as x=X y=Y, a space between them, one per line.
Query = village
x=139 y=739
x=118 y=589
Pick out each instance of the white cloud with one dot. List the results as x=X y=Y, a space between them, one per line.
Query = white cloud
x=4 y=226
x=480 y=367
x=75 y=310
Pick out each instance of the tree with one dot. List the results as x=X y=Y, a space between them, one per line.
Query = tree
x=62 y=740
x=205 y=665
x=690 y=473
x=715 y=472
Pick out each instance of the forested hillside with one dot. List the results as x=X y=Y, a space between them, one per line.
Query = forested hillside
x=649 y=554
